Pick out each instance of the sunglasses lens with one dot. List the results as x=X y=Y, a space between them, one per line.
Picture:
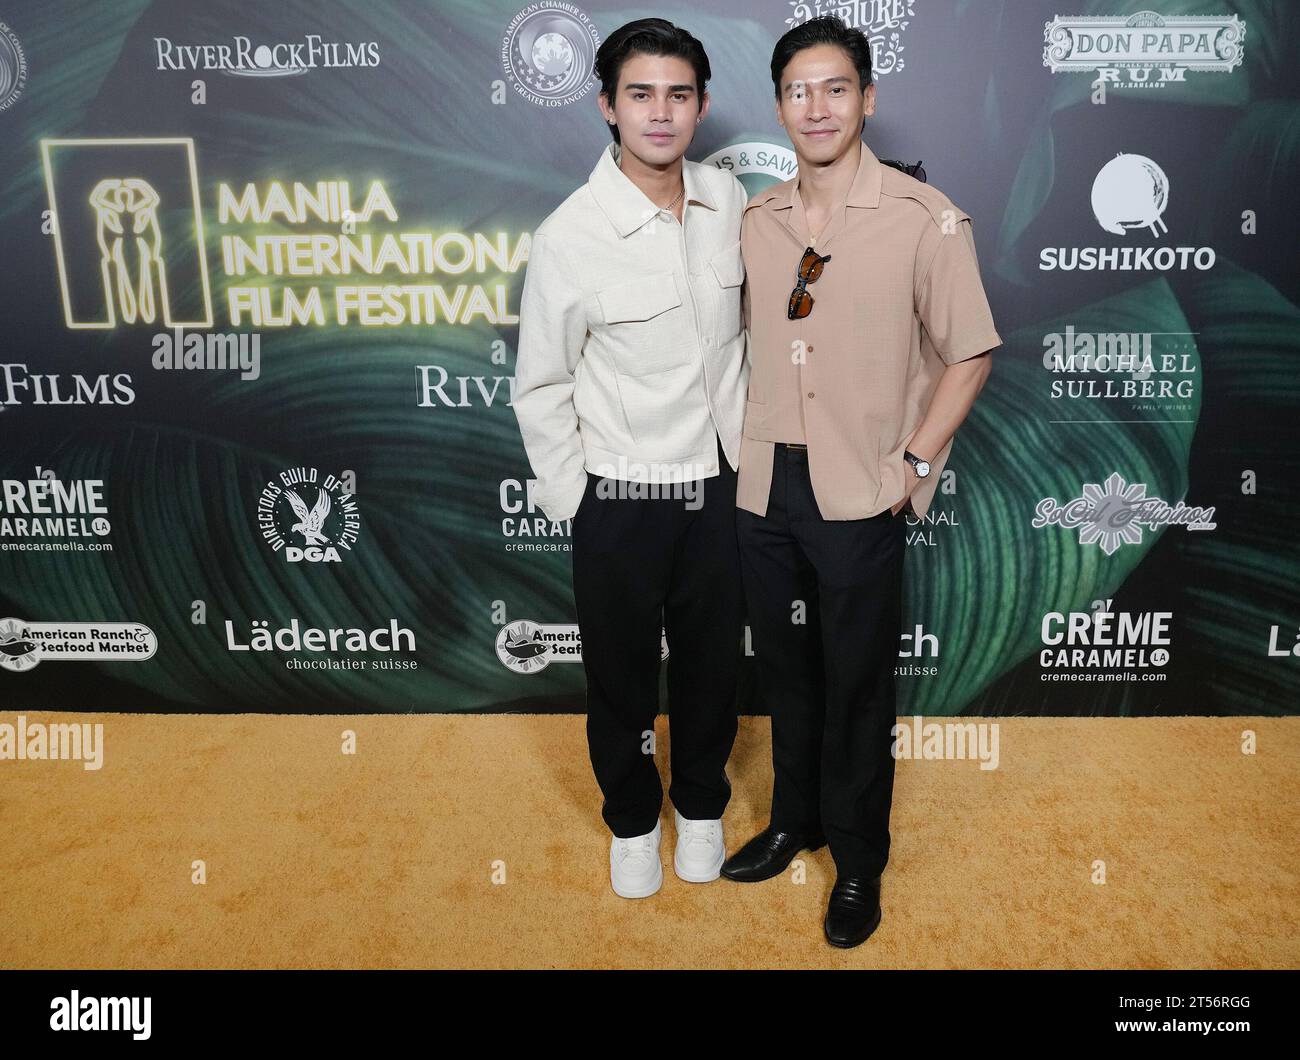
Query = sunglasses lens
x=800 y=305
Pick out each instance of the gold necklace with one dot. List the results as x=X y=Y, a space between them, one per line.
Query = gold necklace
x=676 y=198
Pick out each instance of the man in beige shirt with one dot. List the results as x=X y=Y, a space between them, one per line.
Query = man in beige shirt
x=868 y=331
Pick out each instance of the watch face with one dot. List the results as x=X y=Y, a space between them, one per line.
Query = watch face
x=922 y=468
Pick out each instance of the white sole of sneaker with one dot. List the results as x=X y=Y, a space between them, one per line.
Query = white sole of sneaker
x=705 y=876
x=644 y=891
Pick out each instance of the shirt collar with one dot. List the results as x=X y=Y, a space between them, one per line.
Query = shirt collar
x=627 y=206
x=864 y=191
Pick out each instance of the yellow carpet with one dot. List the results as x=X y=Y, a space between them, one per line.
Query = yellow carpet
x=387 y=858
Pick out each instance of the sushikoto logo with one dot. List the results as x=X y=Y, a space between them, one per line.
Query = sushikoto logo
x=1129 y=194
x=308 y=516
x=549 y=52
x=1114 y=513
x=277 y=59
x=13 y=68
x=1127 y=51
x=24 y=645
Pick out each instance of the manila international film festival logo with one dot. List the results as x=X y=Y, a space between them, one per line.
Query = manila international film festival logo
x=549 y=53
x=309 y=517
x=13 y=67
x=125 y=252
x=1127 y=50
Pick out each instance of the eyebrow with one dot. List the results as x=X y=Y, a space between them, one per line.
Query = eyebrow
x=671 y=88
x=824 y=80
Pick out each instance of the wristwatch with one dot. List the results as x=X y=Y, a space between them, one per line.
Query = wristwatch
x=921 y=467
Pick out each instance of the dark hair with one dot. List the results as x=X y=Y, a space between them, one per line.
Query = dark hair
x=828 y=29
x=648 y=36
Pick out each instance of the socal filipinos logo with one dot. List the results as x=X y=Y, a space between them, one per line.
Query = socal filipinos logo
x=549 y=53
x=1126 y=51
x=1114 y=514
x=308 y=516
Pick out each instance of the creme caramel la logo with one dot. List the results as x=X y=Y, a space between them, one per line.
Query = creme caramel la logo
x=127 y=221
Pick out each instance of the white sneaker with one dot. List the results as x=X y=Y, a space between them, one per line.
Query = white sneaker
x=635 y=870
x=700 y=849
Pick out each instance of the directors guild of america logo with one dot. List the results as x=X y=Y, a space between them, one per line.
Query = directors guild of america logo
x=309 y=516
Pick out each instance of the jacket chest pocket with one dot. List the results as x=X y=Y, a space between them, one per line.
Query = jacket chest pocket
x=728 y=271
x=644 y=331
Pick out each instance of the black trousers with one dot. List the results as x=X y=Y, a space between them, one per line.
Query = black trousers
x=828 y=679
x=640 y=563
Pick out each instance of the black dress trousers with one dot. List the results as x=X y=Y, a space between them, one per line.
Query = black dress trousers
x=825 y=608
x=639 y=564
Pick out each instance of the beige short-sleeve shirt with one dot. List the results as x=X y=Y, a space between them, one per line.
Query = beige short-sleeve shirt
x=900 y=299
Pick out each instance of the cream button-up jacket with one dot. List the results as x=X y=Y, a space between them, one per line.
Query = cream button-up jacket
x=631 y=336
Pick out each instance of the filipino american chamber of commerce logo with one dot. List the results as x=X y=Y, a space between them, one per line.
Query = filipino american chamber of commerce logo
x=549 y=53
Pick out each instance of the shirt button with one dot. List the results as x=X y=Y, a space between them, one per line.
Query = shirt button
x=811 y=394
x=810 y=349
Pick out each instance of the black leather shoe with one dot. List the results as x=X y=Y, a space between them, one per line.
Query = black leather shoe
x=853 y=912
x=768 y=854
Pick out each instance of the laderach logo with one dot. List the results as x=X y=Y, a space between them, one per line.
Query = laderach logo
x=276 y=59
x=1114 y=514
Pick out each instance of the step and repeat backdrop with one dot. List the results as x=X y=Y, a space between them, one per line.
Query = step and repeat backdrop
x=261 y=276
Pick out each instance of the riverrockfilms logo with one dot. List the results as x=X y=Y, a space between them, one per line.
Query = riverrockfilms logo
x=25 y=741
x=308 y=517
x=21 y=386
x=1114 y=513
x=1144 y=50
x=549 y=53
x=50 y=514
x=1129 y=194
x=24 y=645
x=77 y=1013
x=242 y=58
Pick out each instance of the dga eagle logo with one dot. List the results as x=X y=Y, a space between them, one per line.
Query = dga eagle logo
x=307 y=516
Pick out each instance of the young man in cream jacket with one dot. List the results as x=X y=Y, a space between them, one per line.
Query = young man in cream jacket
x=630 y=393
